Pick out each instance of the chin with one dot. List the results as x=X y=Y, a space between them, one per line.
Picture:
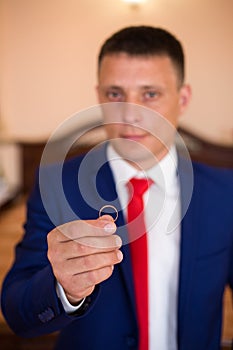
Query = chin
x=135 y=153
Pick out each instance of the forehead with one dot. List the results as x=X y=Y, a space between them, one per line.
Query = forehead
x=121 y=68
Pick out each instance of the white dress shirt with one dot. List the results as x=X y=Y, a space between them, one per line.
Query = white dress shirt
x=162 y=219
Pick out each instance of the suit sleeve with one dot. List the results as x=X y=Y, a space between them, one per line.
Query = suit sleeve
x=29 y=301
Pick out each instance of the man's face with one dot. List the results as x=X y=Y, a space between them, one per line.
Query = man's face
x=146 y=81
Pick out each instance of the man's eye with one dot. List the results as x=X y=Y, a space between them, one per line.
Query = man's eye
x=151 y=95
x=114 y=96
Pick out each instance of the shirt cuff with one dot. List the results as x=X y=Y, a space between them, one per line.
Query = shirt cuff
x=69 y=308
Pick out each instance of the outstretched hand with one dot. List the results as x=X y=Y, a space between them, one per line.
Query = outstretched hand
x=83 y=254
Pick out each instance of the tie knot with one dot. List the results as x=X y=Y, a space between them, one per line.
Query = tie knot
x=140 y=185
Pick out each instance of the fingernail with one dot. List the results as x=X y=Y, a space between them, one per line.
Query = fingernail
x=109 y=227
x=118 y=241
x=119 y=255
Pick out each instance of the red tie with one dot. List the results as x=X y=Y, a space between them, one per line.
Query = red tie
x=138 y=249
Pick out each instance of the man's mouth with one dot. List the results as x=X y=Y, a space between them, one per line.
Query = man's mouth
x=133 y=137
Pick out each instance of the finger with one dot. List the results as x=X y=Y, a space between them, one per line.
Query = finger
x=82 y=283
x=81 y=228
x=98 y=244
x=86 y=246
x=75 y=300
x=93 y=262
x=106 y=218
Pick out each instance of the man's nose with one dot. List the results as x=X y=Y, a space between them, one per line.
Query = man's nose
x=131 y=112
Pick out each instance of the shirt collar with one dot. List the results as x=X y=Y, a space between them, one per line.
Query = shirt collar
x=163 y=174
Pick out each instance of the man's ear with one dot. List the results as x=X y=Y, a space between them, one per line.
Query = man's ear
x=185 y=97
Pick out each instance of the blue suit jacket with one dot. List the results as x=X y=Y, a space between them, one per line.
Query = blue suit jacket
x=108 y=319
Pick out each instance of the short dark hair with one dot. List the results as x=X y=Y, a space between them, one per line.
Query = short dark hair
x=145 y=41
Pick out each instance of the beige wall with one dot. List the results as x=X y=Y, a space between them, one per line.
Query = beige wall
x=48 y=59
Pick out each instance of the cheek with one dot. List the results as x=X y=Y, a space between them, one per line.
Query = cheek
x=161 y=132
x=171 y=113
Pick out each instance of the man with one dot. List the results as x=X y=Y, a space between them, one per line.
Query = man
x=78 y=276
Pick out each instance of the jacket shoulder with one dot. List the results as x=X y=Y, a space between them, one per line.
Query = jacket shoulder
x=215 y=176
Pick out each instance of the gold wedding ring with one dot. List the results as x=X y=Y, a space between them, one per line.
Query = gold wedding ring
x=109 y=207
